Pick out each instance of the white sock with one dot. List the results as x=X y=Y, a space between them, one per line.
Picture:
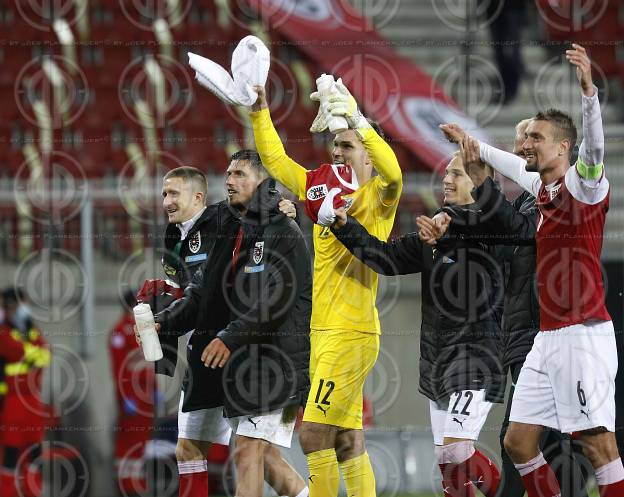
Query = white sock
x=530 y=466
x=455 y=453
x=612 y=472
x=188 y=467
x=304 y=493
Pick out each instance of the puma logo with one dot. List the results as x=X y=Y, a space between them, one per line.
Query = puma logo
x=586 y=413
x=310 y=478
x=460 y=423
x=255 y=423
x=324 y=410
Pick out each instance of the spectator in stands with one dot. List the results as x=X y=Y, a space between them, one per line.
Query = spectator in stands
x=506 y=20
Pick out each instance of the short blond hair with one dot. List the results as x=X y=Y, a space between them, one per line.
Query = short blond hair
x=522 y=125
x=192 y=175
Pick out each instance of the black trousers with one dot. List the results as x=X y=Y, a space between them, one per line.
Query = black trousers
x=564 y=456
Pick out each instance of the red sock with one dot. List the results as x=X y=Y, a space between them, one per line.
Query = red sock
x=454 y=481
x=7 y=483
x=482 y=472
x=32 y=484
x=538 y=477
x=193 y=479
x=612 y=490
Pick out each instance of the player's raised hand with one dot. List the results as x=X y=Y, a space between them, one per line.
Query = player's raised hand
x=342 y=104
x=453 y=132
x=578 y=57
x=471 y=159
x=261 y=101
x=320 y=122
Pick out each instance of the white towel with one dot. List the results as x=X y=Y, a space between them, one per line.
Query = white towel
x=250 y=66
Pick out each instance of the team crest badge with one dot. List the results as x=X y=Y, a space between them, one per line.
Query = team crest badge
x=317 y=192
x=258 y=252
x=195 y=242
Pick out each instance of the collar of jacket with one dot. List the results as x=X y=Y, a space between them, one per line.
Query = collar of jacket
x=263 y=208
x=172 y=233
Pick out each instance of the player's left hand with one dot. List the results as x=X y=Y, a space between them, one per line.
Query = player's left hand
x=578 y=57
x=342 y=104
x=287 y=208
x=215 y=354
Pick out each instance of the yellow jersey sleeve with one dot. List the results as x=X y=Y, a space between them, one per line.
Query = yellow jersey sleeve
x=390 y=179
x=273 y=156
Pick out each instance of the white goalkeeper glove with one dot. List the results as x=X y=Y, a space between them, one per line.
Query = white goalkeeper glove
x=342 y=104
x=326 y=214
x=320 y=123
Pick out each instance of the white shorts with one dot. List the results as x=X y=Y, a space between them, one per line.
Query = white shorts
x=207 y=425
x=275 y=427
x=567 y=381
x=463 y=417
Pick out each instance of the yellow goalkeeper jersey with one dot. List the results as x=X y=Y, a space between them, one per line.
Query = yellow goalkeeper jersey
x=344 y=290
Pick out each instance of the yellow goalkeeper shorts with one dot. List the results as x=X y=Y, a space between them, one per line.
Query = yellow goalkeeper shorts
x=339 y=364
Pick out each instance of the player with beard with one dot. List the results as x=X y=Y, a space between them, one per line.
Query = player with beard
x=567 y=381
x=344 y=326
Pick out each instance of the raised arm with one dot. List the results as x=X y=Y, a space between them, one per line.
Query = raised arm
x=385 y=163
x=271 y=150
x=400 y=256
x=587 y=181
x=381 y=154
x=508 y=164
x=591 y=152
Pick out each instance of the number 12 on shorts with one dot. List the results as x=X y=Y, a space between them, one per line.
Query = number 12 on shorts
x=329 y=386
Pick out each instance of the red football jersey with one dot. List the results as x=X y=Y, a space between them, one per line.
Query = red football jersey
x=321 y=180
x=569 y=241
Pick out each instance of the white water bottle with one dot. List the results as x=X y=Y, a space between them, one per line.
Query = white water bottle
x=326 y=85
x=146 y=327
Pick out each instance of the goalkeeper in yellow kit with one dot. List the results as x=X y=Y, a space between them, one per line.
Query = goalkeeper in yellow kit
x=345 y=325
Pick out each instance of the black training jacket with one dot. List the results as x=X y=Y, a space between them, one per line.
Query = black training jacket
x=265 y=297
x=462 y=298
x=513 y=224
